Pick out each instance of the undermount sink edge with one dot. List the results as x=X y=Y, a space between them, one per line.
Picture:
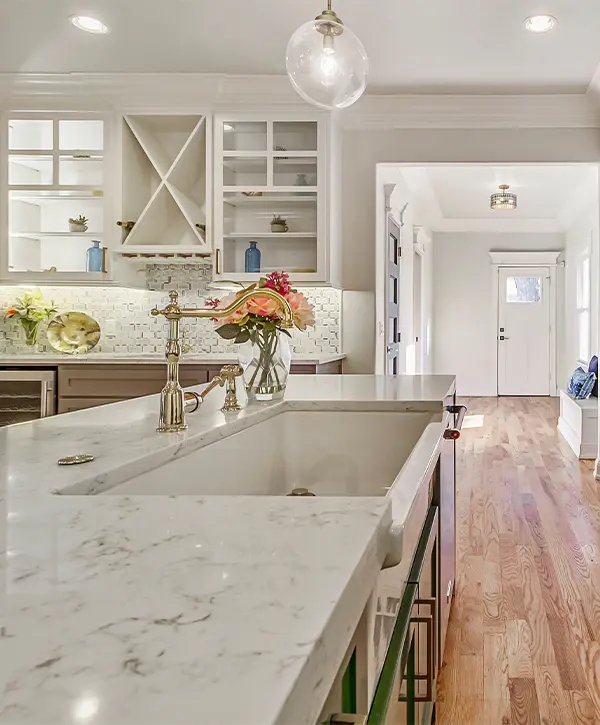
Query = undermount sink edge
x=330 y=453
x=411 y=444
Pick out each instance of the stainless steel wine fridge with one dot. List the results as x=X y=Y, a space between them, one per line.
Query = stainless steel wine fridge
x=26 y=395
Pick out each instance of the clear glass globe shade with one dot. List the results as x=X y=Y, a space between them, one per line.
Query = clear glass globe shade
x=329 y=71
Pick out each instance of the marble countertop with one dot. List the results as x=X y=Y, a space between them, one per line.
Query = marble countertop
x=46 y=358
x=178 y=611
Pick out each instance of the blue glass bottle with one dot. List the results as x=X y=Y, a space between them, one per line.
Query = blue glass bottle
x=253 y=258
x=94 y=257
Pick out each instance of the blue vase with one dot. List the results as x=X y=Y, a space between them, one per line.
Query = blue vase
x=252 y=258
x=94 y=256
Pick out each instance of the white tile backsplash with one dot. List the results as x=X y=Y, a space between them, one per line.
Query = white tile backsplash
x=128 y=327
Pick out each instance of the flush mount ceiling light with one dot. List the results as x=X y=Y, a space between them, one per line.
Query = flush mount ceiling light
x=503 y=200
x=540 y=23
x=326 y=62
x=89 y=25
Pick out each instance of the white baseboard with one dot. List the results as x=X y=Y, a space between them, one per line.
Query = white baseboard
x=581 y=450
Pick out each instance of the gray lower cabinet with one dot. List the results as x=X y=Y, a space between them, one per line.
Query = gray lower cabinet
x=87 y=386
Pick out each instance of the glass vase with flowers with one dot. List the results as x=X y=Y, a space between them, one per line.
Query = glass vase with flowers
x=264 y=351
x=30 y=311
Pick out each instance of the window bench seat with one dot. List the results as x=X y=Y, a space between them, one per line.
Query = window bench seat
x=578 y=424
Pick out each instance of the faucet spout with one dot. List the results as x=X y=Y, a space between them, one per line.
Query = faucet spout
x=174 y=312
x=172 y=404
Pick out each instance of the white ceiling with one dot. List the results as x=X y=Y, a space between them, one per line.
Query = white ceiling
x=429 y=47
x=457 y=198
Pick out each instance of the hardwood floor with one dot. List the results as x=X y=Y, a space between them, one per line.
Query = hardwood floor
x=523 y=644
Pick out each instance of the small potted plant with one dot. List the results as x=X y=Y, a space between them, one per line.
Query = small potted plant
x=279 y=224
x=79 y=224
x=30 y=310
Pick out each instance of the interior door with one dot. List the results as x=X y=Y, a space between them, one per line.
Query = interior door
x=524 y=331
x=417 y=311
x=392 y=298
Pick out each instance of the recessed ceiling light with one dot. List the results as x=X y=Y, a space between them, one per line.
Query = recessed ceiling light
x=540 y=23
x=90 y=25
x=227 y=127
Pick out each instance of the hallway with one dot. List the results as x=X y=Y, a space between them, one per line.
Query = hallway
x=523 y=644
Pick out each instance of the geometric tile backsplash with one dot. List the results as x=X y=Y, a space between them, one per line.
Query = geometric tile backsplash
x=128 y=327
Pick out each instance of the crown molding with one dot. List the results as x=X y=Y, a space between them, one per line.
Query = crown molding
x=473 y=111
x=151 y=91
x=499 y=226
x=524 y=259
x=194 y=91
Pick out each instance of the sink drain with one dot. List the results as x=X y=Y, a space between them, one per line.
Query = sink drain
x=301 y=492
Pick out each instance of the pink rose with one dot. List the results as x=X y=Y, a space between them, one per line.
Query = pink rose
x=302 y=310
x=235 y=317
x=263 y=306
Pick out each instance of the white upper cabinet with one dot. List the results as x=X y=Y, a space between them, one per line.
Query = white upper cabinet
x=54 y=170
x=271 y=194
x=163 y=188
x=165 y=210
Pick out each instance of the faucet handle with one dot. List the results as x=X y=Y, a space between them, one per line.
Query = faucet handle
x=172 y=310
x=229 y=372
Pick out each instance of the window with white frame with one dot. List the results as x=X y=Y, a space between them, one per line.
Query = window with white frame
x=583 y=308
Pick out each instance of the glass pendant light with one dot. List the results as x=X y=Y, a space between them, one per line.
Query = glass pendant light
x=327 y=64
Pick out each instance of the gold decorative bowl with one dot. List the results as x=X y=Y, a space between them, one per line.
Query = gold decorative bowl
x=73 y=333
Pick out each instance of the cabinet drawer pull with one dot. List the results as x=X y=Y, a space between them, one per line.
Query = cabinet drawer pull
x=218 y=261
x=449 y=591
x=430 y=676
x=453 y=434
x=347 y=719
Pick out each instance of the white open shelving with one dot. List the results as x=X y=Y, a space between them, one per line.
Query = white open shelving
x=267 y=167
x=55 y=169
x=164 y=187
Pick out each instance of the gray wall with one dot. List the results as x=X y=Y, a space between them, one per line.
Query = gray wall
x=362 y=150
x=464 y=310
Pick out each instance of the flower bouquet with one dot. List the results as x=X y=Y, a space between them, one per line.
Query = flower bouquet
x=264 y=352
x=30 y=310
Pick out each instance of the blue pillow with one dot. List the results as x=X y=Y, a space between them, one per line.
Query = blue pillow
x=587 y=387
x=581 y=384
x=593 y=368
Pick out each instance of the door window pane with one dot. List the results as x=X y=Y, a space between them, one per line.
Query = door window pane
x=293 y=171
x=245 y=136
x=33 y=170
x=393 y=290
x=30 y=135
x=244 y=171
x=81 y=134
x=393 y=249
x=295 y=136
x=524 y=289
x=80 y=171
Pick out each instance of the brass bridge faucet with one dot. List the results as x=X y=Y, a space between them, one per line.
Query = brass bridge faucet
x=172 y=403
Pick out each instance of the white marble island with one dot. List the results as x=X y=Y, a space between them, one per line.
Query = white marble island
x=220 y=610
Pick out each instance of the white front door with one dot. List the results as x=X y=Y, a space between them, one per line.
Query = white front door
x=524 y=331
